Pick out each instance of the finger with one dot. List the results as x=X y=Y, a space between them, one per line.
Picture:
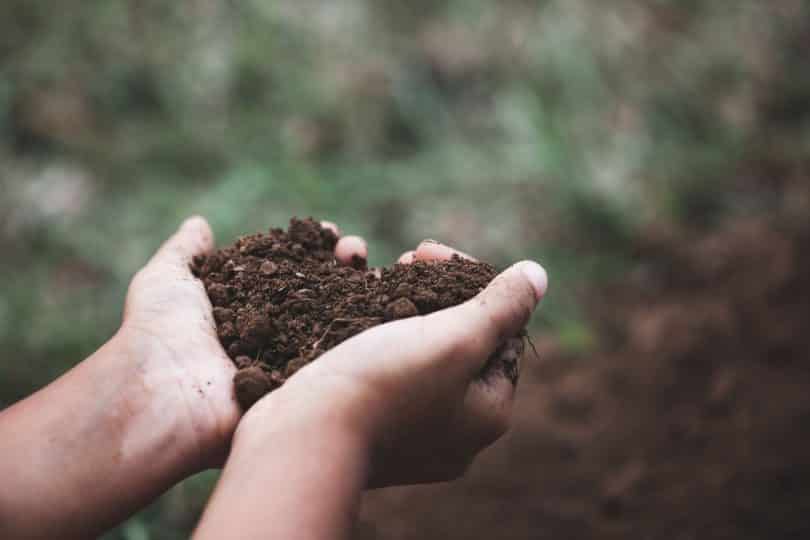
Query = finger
x=469 y=333
x=488 y=410
x=490 y=396
x=352 y=251
x=431 y=250
x=407 y=258
x=194 y=237
x=332 y=227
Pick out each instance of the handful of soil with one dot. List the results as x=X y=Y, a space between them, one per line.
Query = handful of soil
x=281 y=300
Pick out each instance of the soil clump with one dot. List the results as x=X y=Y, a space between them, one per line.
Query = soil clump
x=280 y=300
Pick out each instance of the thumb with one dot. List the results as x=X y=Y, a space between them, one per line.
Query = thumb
x=194 y=237
x=471 y=332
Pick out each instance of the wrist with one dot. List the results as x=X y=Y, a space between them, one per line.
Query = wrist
x=104 y=419
x=289 y=450
x=318 y=417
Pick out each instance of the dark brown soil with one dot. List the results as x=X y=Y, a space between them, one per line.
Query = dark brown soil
x=690 y=421
x=281 y=300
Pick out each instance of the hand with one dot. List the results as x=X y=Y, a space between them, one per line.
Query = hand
x=413 y=389
x=169 y=331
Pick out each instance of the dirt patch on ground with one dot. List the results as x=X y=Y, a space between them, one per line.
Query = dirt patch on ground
x=281 y=300
x=692 y=421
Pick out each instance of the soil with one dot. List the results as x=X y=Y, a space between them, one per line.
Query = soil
x=281 y=300
x=691 y=420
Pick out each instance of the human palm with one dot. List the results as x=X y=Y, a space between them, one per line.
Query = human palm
x=169 y=330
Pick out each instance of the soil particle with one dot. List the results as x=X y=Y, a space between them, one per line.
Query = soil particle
x=400 y=308
x=281 y=300
x=251 y=383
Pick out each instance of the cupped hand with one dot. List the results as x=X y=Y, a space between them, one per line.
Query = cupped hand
x=168 y=329
x=426 y=393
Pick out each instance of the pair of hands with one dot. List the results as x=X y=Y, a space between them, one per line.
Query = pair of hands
x=411 y=388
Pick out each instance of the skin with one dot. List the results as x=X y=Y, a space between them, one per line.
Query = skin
x=353 y=420
x=155 y=404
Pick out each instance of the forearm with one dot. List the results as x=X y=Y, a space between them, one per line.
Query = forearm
x=89 y=449
x=296 y=477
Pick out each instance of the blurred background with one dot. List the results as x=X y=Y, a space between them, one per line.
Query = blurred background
x=654 y=155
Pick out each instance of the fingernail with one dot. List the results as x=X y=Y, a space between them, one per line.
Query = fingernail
x=537 y=276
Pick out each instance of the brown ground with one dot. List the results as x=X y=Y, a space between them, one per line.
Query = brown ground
x=280 y=300
x=692 y=421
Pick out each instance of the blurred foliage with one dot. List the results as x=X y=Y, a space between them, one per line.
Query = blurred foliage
x=549 y=129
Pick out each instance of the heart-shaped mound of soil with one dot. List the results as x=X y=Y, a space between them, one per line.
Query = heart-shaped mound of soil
x=281 y=299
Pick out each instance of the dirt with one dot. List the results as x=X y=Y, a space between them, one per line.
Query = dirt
x=280 y=300
x=691 y=419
